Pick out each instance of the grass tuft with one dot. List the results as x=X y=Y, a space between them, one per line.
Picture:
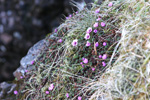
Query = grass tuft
x=117 y=69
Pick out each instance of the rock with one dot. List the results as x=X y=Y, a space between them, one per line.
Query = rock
x=17 y=35
x=6 y=89
x=32 y=55
x=3 y=48
x=19 y=72
x=1 y=29
x=6 y=38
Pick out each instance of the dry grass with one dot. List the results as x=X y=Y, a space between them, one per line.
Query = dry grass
x=128 y=78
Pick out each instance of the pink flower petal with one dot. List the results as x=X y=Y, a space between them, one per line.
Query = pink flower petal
x=96 y=44
x=75 y=42
x=32 y=62
x=110 y=4
x=79 y=98
x=60 y=40
x=89 y=30
x=95 y=31
x=88 y=43
x=100 y=56
x=103 y=63
x=55 y=30
x=104 y=56
x=47 y=92
x=21 y=77
x=93 y=69
x=70 y=15
x=67 y=95
x=87 y=36
x=98 y=19
x=15 y=92
x=67 y=17
x=104 y=43
x=85 y=61
x=82 y=65
x=51 y=87
x=103 y=24
x=97 y=10
x=26 y=71
x=95 y=25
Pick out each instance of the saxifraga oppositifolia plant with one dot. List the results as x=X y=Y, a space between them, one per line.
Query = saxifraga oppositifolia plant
x=79 y=55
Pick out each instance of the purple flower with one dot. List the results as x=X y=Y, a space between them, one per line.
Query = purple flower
x=47 y=92
x=67 y=95
x=55 y=30
x=104 y=43
x=95 y=31
x=97 y=10
x=60 y=40
x=85 y=61
x=87 y=36
x=32 y=62
x=89 y=30
x=95 y=25
x=77 y=12
x=70 y=15
x=88 y=43
x=26 y=71
x=104 y=56
x=81 y=63
x=93 y=69
x=103 y=63
x=98 y=19
x=110 y=4
x=51 y=87
x=15 y=92
x=67 y=17
x=103 y=24
x=100 y=56
x=21 y=77
x=96 y=44
x=79 y=98
x=75 y=42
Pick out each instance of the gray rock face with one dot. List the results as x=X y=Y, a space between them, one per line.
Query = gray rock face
x=6 y=89
x=33 y=53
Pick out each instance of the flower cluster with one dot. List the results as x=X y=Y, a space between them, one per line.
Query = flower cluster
x=89 y=43
x=87 y=37
x=90 y=31
x=50 y=88
x=92 y=45
x=85 y=60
